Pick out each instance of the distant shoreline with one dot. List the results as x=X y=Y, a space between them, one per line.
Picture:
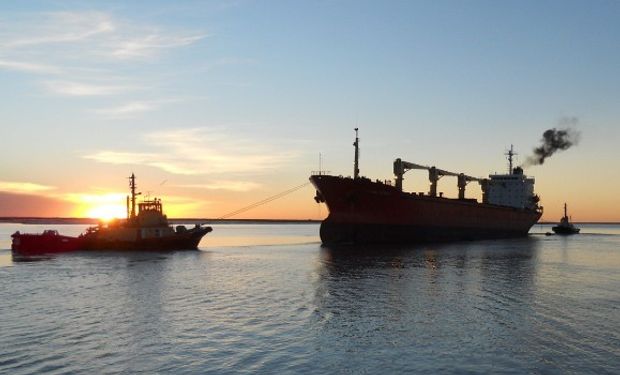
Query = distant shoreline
x=85 y=220
x=582 y=222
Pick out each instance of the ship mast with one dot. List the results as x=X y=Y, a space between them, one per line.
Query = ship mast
x=132 y=187
x=510 y=154
x=565 y=214
x=356 y=169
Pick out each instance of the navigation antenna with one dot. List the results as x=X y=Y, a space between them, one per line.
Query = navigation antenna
x=356 y=169
x=510 y=154
x=132 y=187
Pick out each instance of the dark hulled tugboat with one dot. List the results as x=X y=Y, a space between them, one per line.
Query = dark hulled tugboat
x=565 y=226
x=148 y=229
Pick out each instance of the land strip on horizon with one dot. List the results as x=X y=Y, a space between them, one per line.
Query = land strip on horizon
x=85 y=220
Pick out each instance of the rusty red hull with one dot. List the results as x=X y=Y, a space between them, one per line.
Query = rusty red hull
x=363 y=211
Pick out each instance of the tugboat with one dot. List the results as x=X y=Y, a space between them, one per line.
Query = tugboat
x=148 y=229
x=565 y=226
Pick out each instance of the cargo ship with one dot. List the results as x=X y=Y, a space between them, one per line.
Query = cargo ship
x=146 y=229
x=366 y=211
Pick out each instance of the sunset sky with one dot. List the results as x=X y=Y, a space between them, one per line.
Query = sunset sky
x=215 y=105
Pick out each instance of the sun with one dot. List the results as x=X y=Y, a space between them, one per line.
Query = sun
x=107 y=212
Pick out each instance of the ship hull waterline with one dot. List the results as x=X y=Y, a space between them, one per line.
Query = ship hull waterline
x=185 y=241
x=46 y=243
x=366 y=212
x=565 y=231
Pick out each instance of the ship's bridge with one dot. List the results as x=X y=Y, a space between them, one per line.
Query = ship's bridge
x=150 y=205
x=150 y=213
x=513 y=190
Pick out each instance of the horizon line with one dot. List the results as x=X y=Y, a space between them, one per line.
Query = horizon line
x=87 y=220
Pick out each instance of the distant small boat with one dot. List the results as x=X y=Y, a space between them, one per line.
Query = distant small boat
x=565 y=226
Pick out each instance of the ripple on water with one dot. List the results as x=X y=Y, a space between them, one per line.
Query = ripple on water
x=536 y=305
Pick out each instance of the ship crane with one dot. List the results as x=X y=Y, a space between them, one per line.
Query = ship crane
x=434 y=174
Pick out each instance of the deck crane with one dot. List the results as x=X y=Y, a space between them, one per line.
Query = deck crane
x=434 y=174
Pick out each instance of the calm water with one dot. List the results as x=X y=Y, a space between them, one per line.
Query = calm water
x=270 y=299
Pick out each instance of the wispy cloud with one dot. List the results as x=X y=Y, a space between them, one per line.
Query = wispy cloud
x=71 y=88
x=126 y=110
x=148 y=45
x=121 y=157
x=90 y=198
x=57 y=27
x=77 y=50
x=134 y=108
x=201 y=151
x=96 y=204
x=23 y=187
x=238 y=186
x=95 y=34
x=29 y=67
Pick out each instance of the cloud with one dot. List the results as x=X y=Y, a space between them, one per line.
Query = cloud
x=55 y=28
x=119 y=157
x=201 y=151
x=131 y=109
x=78 y=50
x=238 y=186
x=148 y=45
x=23 y=187
x=29 y=67
x=96 y=34
x=24 y=205
x=126 y=110
x=71 y=88
x=94 y=198
x=89 y=36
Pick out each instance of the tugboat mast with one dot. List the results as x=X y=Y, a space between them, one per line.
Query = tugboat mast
x=132 y=187
x=356 y=169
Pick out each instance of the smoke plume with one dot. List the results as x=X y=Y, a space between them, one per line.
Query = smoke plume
x=554 y=140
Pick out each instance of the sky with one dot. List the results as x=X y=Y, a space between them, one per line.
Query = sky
x=215 y=105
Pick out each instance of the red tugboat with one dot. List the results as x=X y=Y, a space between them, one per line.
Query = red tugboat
x=45 y=243
x=148 y=229
x=366 y=211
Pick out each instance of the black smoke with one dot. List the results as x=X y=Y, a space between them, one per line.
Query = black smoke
x=554 y=140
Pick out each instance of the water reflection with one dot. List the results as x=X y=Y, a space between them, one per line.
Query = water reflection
x=6 y=258
x=18 y=258
x=424 y=291
x=513 y=260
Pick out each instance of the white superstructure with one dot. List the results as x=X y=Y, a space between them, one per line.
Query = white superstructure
x=513 y=190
